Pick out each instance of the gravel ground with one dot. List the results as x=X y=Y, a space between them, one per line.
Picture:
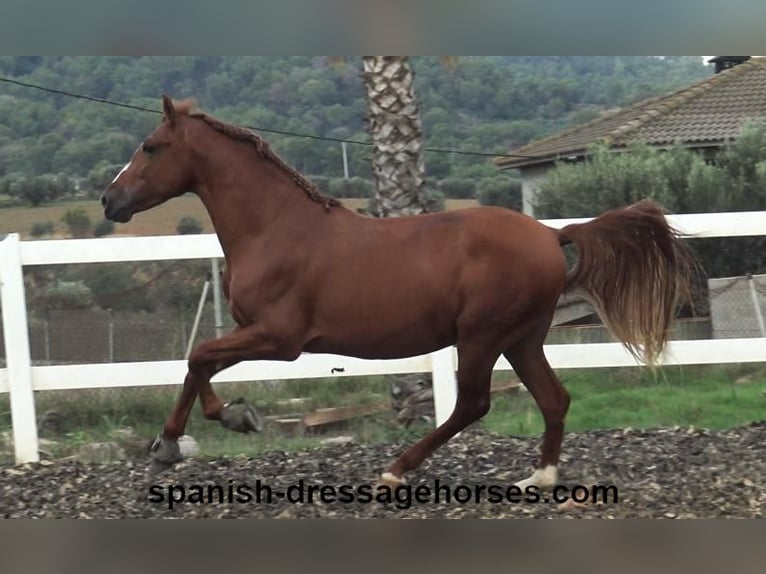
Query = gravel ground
x=663 y=473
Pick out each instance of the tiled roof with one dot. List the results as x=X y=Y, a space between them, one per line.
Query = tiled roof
x=705 y=113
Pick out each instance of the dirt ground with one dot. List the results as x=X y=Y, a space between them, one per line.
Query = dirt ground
x=663 y=473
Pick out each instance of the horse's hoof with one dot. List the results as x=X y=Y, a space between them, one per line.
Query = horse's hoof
x=157 y=467
x=241 y=417
x=165 y=453
x=544 y=478
x=390 y=480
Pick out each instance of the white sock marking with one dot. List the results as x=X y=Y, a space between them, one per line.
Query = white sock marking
x=391 y=479
x=542 y=477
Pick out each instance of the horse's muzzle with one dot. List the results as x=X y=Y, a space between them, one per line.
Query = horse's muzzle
x=116 y=210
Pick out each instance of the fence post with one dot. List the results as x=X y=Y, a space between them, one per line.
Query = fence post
x=16 y=332
x=197 y=318
x=218 y=313
x=444 y=383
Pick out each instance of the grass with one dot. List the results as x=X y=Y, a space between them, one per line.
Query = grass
x=96 y=415
x=707 y=397
x=161 y=220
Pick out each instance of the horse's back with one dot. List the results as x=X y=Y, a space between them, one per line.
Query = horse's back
x=488 y=252
x=516 y=238
x=448 y=241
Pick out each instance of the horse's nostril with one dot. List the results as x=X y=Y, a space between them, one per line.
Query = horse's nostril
x=103 y=200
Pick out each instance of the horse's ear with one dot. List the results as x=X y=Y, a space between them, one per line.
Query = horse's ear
x=169 y=110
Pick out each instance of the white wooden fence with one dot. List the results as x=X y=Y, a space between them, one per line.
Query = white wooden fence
x=21 y=379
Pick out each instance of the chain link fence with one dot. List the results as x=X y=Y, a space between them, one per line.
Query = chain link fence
x=95 y=336
x=737 y=306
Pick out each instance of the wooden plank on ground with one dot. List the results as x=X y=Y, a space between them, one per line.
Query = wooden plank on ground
x=330 y=415
x=505 y=386
x=320 y=417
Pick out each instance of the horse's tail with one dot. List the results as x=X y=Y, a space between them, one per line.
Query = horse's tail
x=635 y=269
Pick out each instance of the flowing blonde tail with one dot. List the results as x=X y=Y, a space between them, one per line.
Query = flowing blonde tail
x=635 y=269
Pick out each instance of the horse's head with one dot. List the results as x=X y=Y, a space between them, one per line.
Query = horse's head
x=160 y=169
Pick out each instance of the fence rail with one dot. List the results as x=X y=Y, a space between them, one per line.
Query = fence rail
x=21 y=379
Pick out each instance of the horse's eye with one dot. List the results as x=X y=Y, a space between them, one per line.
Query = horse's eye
x=148 y=148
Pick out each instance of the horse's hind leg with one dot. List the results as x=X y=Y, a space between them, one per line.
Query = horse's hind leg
x=529 y=362
x=474 y=376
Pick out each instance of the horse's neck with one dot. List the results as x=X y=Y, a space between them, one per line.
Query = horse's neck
x=250 y=202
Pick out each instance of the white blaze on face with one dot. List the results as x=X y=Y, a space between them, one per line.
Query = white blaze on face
x=127 y=165
x=123 y=170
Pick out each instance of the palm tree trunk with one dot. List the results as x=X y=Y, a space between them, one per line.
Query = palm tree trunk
x=397 y=137
x=398 y=168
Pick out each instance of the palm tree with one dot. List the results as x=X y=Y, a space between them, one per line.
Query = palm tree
x=394 y=126
x=397 y=136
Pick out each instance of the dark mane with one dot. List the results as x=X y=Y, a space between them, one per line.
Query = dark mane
x=189 y=108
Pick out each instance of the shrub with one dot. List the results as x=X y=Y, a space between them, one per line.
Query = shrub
x=350 y=188
x=322 y=182
x=114 y=285
x=66 y=295
x=78 y=221
x=435 y=200
x=500 y=191
x=103 y=227
x=188 y=226
x=458 y=188
x=42 y=228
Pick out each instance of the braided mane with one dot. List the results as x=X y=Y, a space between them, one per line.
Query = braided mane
x=189 y=108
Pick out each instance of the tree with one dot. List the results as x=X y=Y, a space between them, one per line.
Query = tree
x=396 y=131
x=99 y=178
x=678 y=178
x=395 y=128
x=683 y=182
x=486 y=103
x=36 y=190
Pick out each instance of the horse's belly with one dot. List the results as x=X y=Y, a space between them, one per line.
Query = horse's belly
x=383 y=334
x=376 y=349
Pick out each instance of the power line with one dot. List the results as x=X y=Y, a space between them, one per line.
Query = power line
x=266 y=130
x=78 y=96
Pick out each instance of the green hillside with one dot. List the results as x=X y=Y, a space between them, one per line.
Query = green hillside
x=486 y=104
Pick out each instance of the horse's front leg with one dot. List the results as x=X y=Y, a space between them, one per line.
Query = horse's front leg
x=208 y=359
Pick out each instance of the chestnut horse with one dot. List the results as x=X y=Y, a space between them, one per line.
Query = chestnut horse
x=305 y=274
